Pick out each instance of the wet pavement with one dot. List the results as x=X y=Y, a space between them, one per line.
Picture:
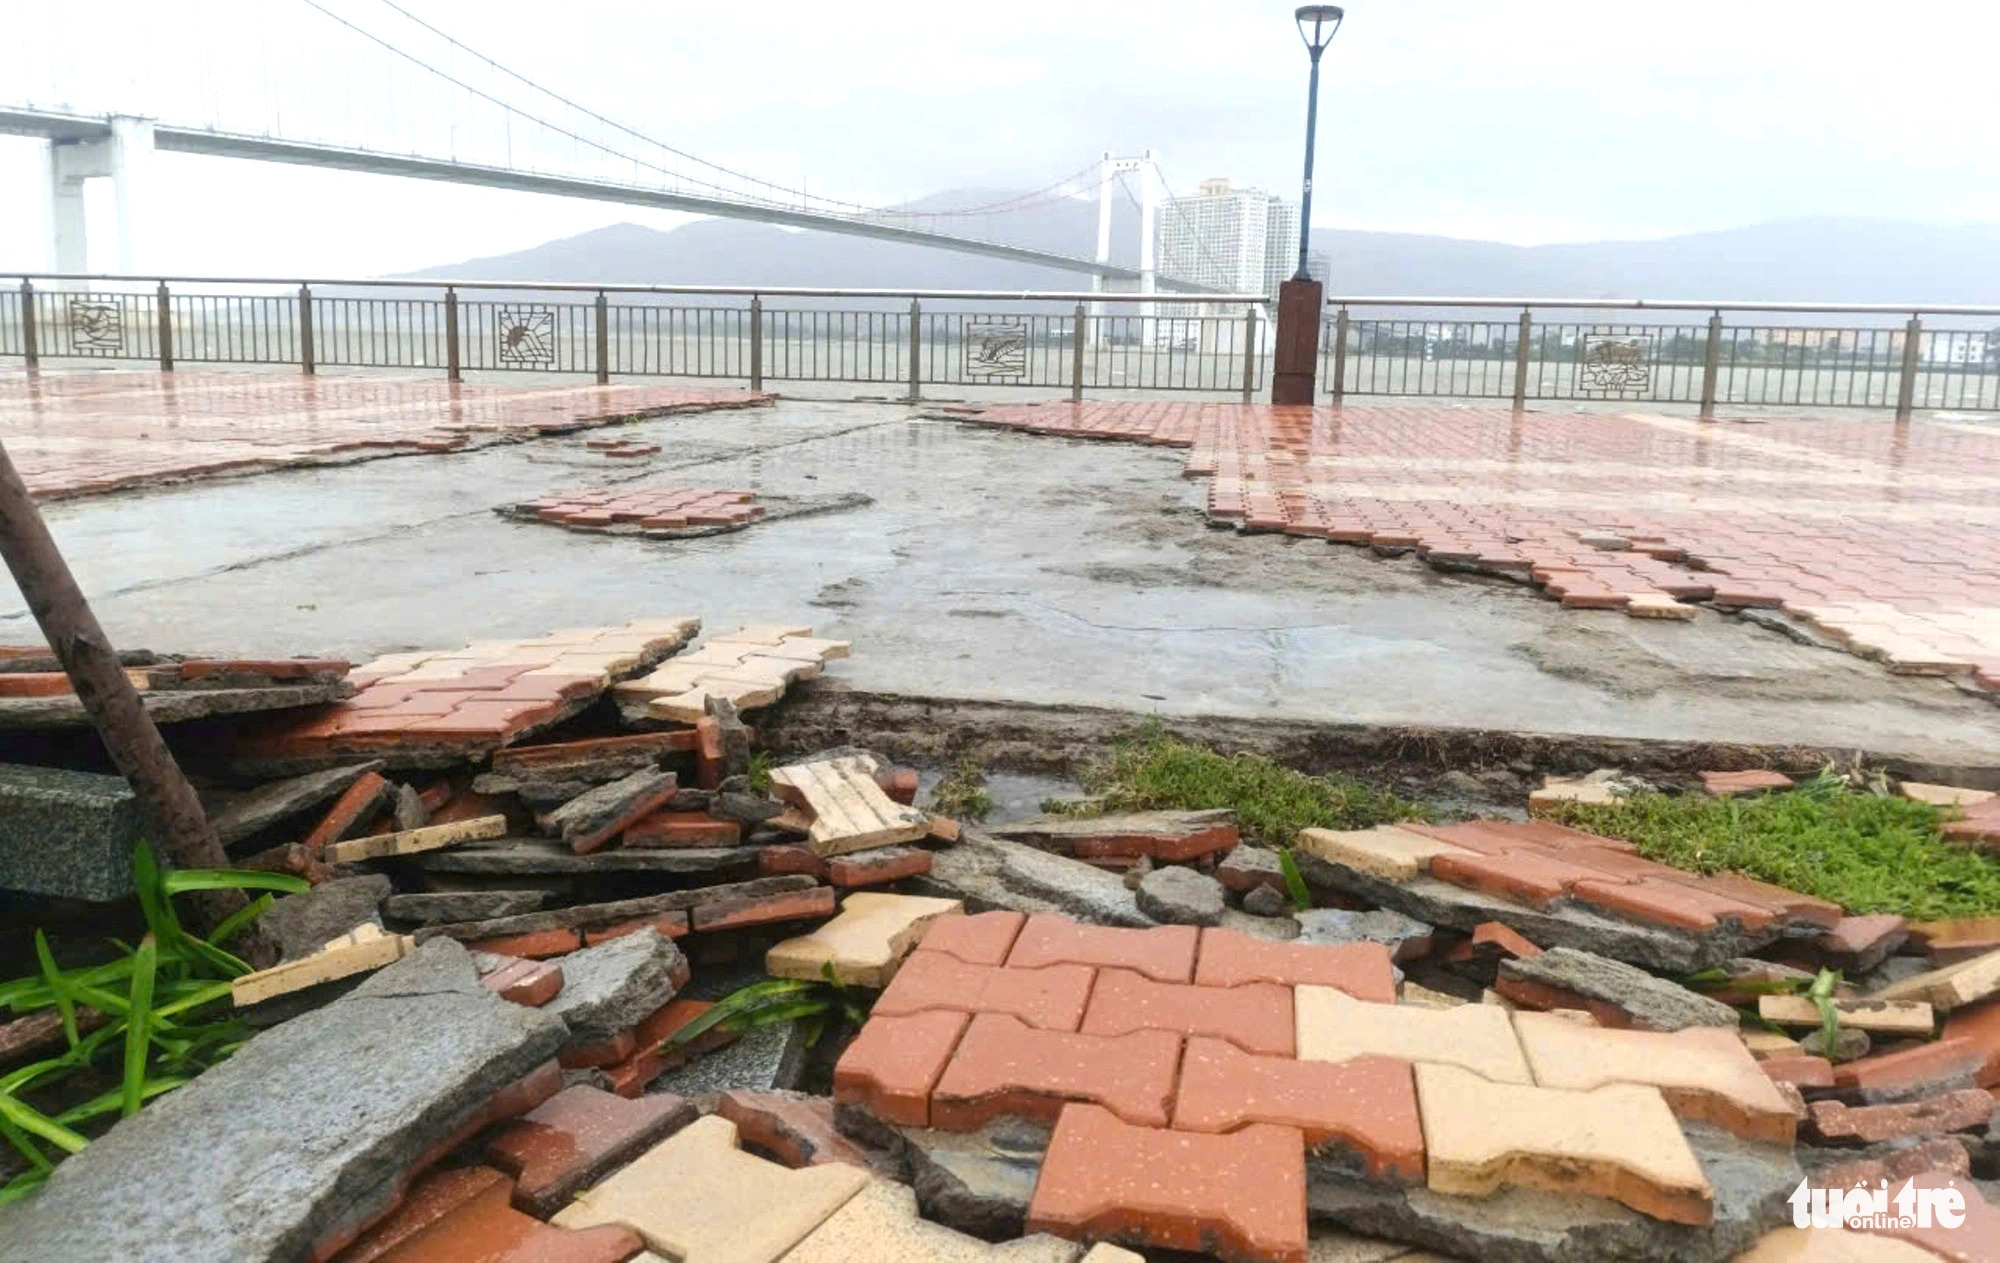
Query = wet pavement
x=988 y=564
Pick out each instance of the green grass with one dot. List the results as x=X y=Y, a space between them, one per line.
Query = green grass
x=760 y=773
x=962 y=795
x=1153 y=771
x=1866 y=852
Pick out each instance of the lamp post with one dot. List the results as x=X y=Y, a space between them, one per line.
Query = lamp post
x=1317 y=23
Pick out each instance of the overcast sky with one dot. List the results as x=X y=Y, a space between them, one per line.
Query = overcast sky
x=1531 y=121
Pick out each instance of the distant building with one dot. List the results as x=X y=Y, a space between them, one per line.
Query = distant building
x=1237 y=241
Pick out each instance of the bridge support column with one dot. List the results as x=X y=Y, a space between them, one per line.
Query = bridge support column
x=125 y=157
x=1295 y=366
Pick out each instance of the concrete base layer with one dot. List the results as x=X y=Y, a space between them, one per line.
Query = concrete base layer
x=988 y=565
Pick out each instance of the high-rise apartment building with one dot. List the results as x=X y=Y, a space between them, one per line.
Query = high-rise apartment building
x=1240 y=241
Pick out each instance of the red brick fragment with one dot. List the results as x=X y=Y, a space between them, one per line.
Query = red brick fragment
x=1239 y=1196
x=1858 y=943
x=1670 y=903
x=896 y=1060
x=1368 y=1104
x=943 y=829
x=349 y=812
x=525 y=982
x=1841 y=1124
x=465 y=1214
x=1952 y=942
x=1916 y=1072
x=34 y=684
x=1256 y=1016
x=654 y=1057
x=899 y=783
x=1892 y=1168
x=708 y=754
x=790 y=905
x=535 y=945
x=682 y=828
x=1230 y=959
x=786 y=860
x=639 y=807
x=575 y=1138
x=1006 y=1068
x=877 y=867
x=1165 y=953
x=1979 y=1025
x=1801 y=1072
x=1526 y=878
x=671 y=924
x=582 y=1054
x=789 y=1127
x=983 y=938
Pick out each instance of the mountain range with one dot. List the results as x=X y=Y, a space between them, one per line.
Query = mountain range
x=1819 y=260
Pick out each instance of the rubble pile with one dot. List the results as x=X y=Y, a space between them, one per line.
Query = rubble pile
x=554 y=880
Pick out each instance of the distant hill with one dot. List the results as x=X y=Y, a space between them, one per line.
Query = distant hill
x=1824 y=260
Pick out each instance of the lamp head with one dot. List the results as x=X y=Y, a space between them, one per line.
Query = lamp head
x=1317 y=23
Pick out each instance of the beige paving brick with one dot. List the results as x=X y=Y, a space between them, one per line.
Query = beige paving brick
x=1619 y=1141
x=1384 y=851
x=1331 y=1025
x=881 y=1225
x=1875 y=1014
x=697 y=1198
x=1952 y=987
x=864 y=943
x=1944 y=795
x=364 y=948
x=1704 y=1073
x=431 y=837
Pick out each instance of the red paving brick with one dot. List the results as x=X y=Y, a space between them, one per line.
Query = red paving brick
x=895 y=1061
x=574 y=1138
x=1256 y=1016
x=644 y=509
x=1913 y=1072
x=1004 y=1067
x=1879 y=535
x=88 y=432
x=1164 y=953
x=1362 y=970
x=984 y=938
x=878 y=866
x=680 y=829
x=528 y=982
x=465 y=1214
x=1239 y=1196
x=1051 y=998
x=1368 y=1104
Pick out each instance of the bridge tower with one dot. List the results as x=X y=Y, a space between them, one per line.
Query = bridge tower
x=1110 y=166
x=124 y=156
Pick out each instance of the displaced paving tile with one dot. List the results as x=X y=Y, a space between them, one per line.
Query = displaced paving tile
x=1240 y=1196
x=894 y=1062
x=698 y=1198
x=881 y=1225
x=878 y=867
x=576 y=1137
x=983 y=938
x=653 y=511
x=1619 y=1141
x=1705 y=1073
x=1006 y=1068
x=1960 y=939
x=849 y=811
x=1949 y=988
x=530 y=982
x=1384 y=851
x=1333 y=1026
x=1051 y=998
x=1166 y=837
x=794 y=1128
x=864 y=944
x=1730 y=784
x=1831 y=1245
x=1229 y=958
x=749 y=668
x=1164 y=954
x=1924 y=1070
x=1876 y=1016
x=363 y=949
x=1367 y=1105
x=464 y=1214
x=1840 y=1124
x=384 y=846
x=1256 y=1016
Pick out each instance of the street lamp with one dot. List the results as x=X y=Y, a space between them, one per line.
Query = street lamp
x=1317 y=23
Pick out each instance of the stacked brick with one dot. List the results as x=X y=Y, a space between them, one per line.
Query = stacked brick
x=660 y=511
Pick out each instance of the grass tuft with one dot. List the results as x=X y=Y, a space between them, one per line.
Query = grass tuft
x=1152 y=771
x=962 y=795
x=1867 y=852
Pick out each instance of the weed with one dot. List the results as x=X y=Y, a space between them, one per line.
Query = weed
x=1295 y=881
x=1151 y=770
x=962 y=794
x=760 y=773
x=777 y=1000
x=165 y=1005
x=1866 y=852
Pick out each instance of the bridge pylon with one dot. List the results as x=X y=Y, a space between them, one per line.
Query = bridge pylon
x=123 y=155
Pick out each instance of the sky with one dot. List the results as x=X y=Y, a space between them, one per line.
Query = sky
x=1528 y=122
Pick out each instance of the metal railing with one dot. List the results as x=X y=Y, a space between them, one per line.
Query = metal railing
x=904 y=338
x=1934 y=357
x=1453 y=347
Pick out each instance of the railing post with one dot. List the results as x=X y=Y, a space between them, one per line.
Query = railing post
x=1076 y=357
x=1525 y=335
x=916 y=350
x=603 y=339
x=756 y=342
x=1339 y=355
x=166 y=330
x=1249 y=351
x=1906 y=389
x=1711 y=366
x=28 y=347
x=450 y=334
x=308 y=361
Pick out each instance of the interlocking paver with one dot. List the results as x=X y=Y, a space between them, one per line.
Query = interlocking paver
x=1164 y=953
x=1367 y=1105
x=1051 y=997
x=1229 y=958
x=1240 y=1196
x=1256 y=1016
x=1333 y=1026
x=864 y=944
x=894 y=1062
x=576 y=1136
x=1704 y=1073
x=1385 y=851
x=1004 y=1067
x=645 y=510
x=983 y=938
x=1619 y=1141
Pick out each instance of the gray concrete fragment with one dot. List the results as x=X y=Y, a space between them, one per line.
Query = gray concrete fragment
x=538 y=794
x=745 y=809
x=583 y=916
x=1062 y=833
x=591 y=813
x=1181 y=896
x=1282 y=928
x=1406 y=937
x=1262 y=901
x=67 y=834
x=989 y=873
x=1653 y=1004
x=305 y=922
x=304 y=1135
x=409 y=808
x=762 y=1059
x=535 y=857
x=1849 y=1044
x=446 y=906
x=977 y=1182
x=1751 y=1182
x=611 y=988
x=238 y=816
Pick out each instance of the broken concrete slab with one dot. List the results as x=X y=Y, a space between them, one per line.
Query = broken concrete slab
x=305 y=922
x=989 y=872
x=538 y=857
x=1165 y=837
x=442 y=907
x=593 y=818
x=302 y=1138
x=1750 y=1182
x=592 y=915
x=1617 y=994
x=609 y=989
x=236 y=816
x=1406 y=938
x=1180 y=896
x=66 y=834
x=592 y=761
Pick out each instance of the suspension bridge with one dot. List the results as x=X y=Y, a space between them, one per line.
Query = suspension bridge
x=426 y=105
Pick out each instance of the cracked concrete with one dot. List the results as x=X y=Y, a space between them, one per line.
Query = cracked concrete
x=990 y=566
